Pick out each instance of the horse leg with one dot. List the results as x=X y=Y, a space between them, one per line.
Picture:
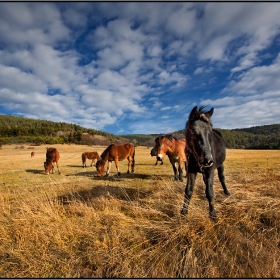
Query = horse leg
x=188 y=192
x=180 y=173
x=117 y=166
x=175 y=171
x=180 y=169
x=91 y=163
x=156 y=162
x=222 y=179
x=161 y=162
x=108 y=167
x=208 y=176
x=57 y=166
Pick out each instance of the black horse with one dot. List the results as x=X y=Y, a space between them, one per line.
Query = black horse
x=206 y=151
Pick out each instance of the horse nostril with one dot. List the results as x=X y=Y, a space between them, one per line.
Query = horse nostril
x=208 y=162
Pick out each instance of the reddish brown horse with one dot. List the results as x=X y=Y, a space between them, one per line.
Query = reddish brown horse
x=175 y=150
x=116 y=153
x=94 y=156
x=32 y=154
x=52 y=156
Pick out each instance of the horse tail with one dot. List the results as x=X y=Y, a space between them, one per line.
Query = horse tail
x=83 y=157
x=133 y=160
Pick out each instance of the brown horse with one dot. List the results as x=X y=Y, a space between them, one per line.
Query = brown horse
x=116 y=153
x=175 y=150
x=52 y=156
x=32 y=154
x=94 y=156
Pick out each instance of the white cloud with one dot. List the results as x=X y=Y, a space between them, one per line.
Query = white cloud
x=97 y=63
x=257 y=79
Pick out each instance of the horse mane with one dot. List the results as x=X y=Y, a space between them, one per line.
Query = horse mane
x=106 y=151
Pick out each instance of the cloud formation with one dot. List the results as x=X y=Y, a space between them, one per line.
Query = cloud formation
x=140 y=67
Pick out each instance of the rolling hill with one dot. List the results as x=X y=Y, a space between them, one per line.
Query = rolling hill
x=15 y=129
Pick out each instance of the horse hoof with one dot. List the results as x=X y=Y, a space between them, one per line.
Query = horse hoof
x=119 y=173
x=214 y=217
x=184 y=212
x=227 y=193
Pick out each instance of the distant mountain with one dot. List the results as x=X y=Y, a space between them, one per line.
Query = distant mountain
x=257 y=137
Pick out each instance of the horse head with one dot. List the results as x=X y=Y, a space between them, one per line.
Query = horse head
x=164 y=144
x=100 y=164
x=198 y=129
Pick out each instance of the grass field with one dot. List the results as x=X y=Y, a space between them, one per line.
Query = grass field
x=78 y=225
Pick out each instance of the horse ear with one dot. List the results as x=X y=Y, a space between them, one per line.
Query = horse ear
x=193 y=113
x=210 y=113
x=169 y=137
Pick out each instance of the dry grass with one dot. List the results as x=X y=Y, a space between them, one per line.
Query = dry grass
x=77 y=225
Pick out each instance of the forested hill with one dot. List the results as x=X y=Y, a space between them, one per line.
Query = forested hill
x=15 y=129
x=24 y=130
x=257 y=137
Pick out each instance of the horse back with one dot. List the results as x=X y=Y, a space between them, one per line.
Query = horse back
x=52 y=155
x=121 y=151
x=218 y=147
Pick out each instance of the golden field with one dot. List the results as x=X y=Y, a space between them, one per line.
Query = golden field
x=78 y=225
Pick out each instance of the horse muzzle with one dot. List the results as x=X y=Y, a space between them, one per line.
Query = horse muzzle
x=159 y=157
x=207 y=163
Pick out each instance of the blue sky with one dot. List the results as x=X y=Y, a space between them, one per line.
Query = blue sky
x=140 y=67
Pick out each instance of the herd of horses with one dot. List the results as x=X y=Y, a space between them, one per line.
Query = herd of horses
x=202 y=151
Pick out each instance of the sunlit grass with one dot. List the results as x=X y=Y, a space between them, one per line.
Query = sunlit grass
x=78 y=225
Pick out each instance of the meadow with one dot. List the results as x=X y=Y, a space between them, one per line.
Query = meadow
x=77 y=225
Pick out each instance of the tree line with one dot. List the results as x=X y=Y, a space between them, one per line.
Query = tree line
x=19 y=130
x=14 y=129
x=258 y=137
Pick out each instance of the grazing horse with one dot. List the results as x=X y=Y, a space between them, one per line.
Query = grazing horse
x=52 y=156
x=206 y=152
x=32 y=154
x=154 y=153
x=116 y=153
x=94 y=156
x=175 y=150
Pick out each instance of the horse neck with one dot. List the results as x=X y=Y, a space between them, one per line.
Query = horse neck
x=105 y=155
x=171 y=148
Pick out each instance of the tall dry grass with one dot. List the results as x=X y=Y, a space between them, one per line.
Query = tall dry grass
x=77 y=225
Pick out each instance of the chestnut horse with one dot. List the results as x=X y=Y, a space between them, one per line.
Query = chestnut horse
x=206 y=152
x=175 y=150
x=32 y=154
x=116 y=153
x=52 y=156
x=94 y=156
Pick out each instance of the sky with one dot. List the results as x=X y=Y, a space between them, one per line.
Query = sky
x=140 y=67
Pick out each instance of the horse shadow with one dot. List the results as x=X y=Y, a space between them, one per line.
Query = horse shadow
x=116 y=177
x=85 y=174
x=86 y=196
x=34 y=171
